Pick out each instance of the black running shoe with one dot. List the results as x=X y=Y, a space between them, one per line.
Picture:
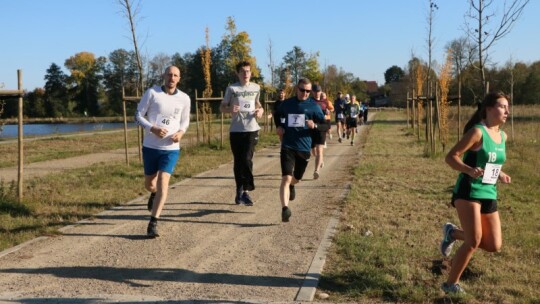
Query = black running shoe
x=292 y=193
x=150 y=203
x=152 y=231
x=247 y=199
x=285 y=214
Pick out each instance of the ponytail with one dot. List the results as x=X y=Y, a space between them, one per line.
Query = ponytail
x=475 y=118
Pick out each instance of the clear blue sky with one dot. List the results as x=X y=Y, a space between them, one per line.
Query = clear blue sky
x=364 y=37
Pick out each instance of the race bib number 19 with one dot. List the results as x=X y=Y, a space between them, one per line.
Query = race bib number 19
x=491 y=173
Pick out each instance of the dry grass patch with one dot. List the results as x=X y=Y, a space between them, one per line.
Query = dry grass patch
x=387 y=247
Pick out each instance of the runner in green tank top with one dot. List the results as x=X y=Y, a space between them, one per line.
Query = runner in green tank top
x=478 y=156
x=492 y=155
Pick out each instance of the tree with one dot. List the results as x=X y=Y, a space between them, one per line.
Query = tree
x=131 y=12
x=393 y=74
x=482 y=35
x=156 y=67
x=56 y=92
x=119 y=72
x=236 y=47
x=430 y=41
x=85 y=81
x=311 y=70
x=295 y=61
x=34 y=103
x=531 y=87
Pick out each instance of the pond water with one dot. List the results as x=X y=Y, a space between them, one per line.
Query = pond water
x=10 y=131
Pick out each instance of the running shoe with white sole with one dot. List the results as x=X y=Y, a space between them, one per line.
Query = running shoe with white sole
x=448 y=241
x=452 y=288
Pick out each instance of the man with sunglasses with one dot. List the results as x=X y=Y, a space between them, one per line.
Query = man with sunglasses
x=297 y=116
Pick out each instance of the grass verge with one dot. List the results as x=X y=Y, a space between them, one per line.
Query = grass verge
x=387 y=245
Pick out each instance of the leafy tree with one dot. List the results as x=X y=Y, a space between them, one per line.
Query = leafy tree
x=530 y=91
x=120 y=71
x=56 y=92
x=34 y=103
x=311 y=70
x=236 y=47
x=393 y=74
x=85 y=81
x=295 y=61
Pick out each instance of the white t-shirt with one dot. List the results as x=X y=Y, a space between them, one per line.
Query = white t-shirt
x=164 y=111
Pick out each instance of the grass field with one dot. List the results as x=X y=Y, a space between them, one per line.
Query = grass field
x=387 y=245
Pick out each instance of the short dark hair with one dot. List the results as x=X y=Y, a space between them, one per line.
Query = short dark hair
x=304 y=81
x=242 y=64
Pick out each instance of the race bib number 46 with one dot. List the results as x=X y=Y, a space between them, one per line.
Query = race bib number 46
x=167 y=122
x=491 y=173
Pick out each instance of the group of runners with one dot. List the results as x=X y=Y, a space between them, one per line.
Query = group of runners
x=303 y=122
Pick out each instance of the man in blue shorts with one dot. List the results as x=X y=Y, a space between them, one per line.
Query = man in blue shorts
x=297 y=116
x=167 y=118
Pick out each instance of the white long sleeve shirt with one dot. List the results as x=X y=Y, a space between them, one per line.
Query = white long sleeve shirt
x=164 y=111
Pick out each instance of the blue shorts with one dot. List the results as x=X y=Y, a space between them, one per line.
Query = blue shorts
x=159 y=160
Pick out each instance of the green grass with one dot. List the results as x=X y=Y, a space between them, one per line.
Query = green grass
x=387 y=245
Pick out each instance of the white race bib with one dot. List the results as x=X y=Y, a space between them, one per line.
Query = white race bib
x=491 y=173
x=296 y=120
x=247 y=106
x=340 y=116
x=168 y=122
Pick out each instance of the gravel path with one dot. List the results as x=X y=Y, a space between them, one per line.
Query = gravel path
x=211 y=250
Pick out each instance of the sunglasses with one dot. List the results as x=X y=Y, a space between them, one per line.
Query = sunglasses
x=304 y=90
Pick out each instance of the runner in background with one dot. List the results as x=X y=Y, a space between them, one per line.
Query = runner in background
x=339 y=108
x=328 y=115
x=318 y=136
x=352 y=111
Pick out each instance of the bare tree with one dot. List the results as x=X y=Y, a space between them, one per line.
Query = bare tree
x=430 y=42
x=484 y=34
x=271 y=64
x=131 y=9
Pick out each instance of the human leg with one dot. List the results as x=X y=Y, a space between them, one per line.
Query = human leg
x=319 y=158
x=163 y=179
x=470 y=218
x=491 y=232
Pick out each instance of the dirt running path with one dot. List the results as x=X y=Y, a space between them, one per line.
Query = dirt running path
x=43 y=168
x=211 y=250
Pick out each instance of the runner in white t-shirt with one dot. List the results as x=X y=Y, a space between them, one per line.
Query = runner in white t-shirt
x=163 y=112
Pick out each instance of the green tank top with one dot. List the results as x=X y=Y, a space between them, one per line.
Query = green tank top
x=490 y=157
